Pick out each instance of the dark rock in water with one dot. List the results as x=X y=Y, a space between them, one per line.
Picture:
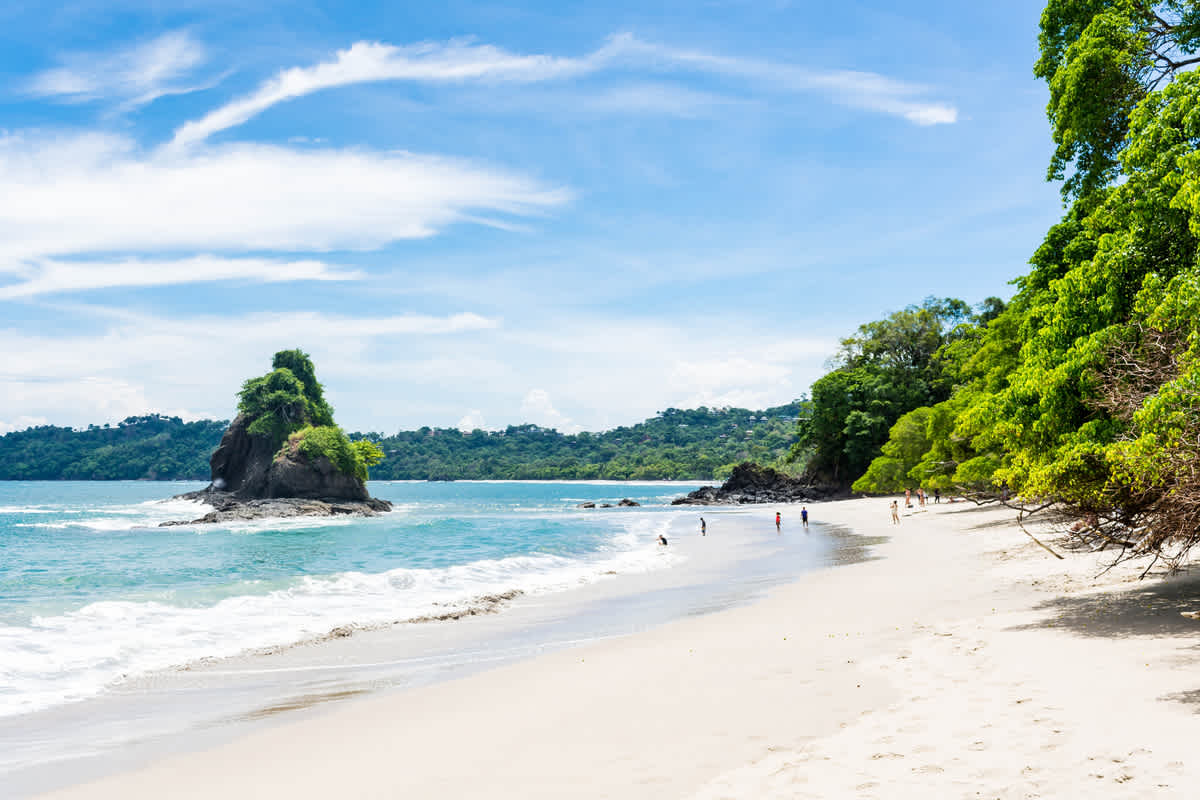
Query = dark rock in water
x=252 y=480
x=241 y=461
x=628 y=503
x=750 y=483
x=228 y=508
x=293 y=475
x=586 y=505
x=246 y=466
x=606 y=505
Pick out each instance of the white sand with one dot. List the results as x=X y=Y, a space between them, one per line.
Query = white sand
x=966 y=662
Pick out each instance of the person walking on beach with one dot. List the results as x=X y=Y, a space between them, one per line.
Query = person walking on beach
x=920 y=497
x=908 y=498
x=804 y=516
x=937 y=495
x=895 y=512
x=778 y=523
x=703 y=527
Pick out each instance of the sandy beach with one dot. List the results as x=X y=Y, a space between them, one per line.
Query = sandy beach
x=964 y=661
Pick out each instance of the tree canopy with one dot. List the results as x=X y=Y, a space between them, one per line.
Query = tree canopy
x=1085 y=390
x=1100 y=59
x=887 y=368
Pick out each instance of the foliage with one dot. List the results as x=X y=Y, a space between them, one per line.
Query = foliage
x=1085 y=390
x=1101 y=58
x=331 y=442
x=908 y=441
x=274 y=404
x=139 y=448
x=694 y=444
x=888 y=368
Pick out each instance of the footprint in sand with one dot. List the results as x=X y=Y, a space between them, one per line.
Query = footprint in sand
x=977 y=746
x=879 y=756
x=929 y=769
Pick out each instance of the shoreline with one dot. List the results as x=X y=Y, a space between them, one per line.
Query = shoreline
x=208 y=701
x=965 y=658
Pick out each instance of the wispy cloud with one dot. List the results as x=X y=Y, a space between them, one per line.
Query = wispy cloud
x=464 y=62
x=366 y=62
x=93 y=194
x=867 y=90
x=133 y=77
x=52 y=277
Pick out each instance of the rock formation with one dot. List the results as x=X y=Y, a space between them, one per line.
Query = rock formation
x=282 y=456
x=750 y=483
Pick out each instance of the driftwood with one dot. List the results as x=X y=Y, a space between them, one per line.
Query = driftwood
x=1039 y=543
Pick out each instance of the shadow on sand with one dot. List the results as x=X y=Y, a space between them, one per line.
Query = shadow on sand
x=1152 y=608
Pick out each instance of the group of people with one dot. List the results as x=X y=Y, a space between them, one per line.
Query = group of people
x=662 y=539
x=922 y=498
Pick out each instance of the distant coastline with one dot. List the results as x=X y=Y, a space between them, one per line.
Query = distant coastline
x=676 y=444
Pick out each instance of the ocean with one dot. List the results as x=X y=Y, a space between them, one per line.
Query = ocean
x=105 y=617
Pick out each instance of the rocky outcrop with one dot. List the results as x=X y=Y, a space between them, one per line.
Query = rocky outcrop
x=228 y=508
x=246 y=466
x=241 y=461
x=252 y=480
x=626 y=503
x=750 y=483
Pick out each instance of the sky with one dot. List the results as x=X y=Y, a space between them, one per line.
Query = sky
x=479 y=214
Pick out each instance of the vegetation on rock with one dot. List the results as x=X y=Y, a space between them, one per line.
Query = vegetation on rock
x=288 y=406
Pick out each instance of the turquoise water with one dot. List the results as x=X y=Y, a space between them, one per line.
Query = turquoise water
x=93 y=592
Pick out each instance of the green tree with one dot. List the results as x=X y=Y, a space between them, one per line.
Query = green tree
x=1100 y=59
x=888 y=368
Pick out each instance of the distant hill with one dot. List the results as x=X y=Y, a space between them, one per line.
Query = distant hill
x=693 y=444
x=139 y=448
x=699 y=444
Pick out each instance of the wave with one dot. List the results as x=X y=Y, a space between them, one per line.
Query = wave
x=75 y=655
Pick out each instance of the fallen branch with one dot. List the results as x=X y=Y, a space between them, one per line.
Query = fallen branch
x=1021 y=525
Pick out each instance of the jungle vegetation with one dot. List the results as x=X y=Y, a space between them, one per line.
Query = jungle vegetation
x=1084 y=390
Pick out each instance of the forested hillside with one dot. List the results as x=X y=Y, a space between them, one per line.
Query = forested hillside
x=148 y=448
x=697 y=444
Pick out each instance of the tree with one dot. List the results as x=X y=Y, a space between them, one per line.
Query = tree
x=889 y=367
x=1100 y=59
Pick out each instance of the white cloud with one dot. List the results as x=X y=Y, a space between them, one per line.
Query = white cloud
x=867 y=90
x=538 y=409
x=90 y=194
x=134 y=76
x=47 y=277
x=374 y=61
x=472 y=421
x=462 y=62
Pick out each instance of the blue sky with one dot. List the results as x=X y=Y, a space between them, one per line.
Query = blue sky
x=487 y=213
